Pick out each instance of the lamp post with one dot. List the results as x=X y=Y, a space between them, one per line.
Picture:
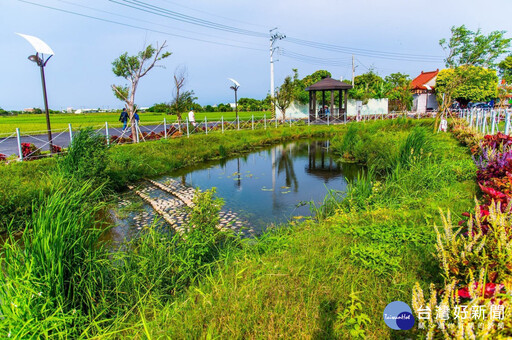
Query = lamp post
x=39 y=58
x=235 y=87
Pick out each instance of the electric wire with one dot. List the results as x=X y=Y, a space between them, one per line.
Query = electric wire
x=138 y=27
x=213 y=15
x=160 y=11
x=147 y=21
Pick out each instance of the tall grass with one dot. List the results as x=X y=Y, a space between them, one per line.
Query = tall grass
x=54 y=274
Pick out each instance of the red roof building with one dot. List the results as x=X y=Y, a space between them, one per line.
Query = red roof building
x=424 y=93
x=425 y=81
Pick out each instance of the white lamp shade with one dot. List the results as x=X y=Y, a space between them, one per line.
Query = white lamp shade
x=39 y=45
x=234 y=81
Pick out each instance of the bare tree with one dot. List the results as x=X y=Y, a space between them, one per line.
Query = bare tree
x=133 y=68
x=180 y=79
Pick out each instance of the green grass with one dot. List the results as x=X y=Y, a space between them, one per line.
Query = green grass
x=297 y=281
x=21 y=183
x=28 y=123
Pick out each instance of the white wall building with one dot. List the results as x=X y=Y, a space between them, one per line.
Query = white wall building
x=424 y=93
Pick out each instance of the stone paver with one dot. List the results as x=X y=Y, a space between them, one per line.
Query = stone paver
x=170 y=198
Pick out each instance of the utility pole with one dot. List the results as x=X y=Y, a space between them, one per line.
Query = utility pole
x=353 y=70
x=273 y=38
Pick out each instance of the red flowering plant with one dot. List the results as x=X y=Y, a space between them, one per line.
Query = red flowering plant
x=3 y=157
x=30 y=151
x=56 y=149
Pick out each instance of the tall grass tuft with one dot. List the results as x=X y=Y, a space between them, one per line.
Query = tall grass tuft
x=54 y=274
x=417 y=145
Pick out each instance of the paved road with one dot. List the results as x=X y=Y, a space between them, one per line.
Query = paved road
x=9 y=146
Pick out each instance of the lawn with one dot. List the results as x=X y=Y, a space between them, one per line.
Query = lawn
x=37 y=122
x=323 y=278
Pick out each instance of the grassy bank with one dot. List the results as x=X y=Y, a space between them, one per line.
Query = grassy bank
x=366 y=251
x=37 y=122
x=325 y=278
x=22 y=183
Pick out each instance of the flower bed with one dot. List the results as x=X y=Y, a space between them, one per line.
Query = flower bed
x=30 y=151
x=476 y=256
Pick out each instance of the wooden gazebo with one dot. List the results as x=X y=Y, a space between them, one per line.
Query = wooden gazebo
x=333 y=85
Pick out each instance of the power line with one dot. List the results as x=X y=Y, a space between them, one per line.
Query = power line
x=313 y=60
x=160 y=11
x=137 y=27
x=213 y=15
x=146 y=21
x=363 y=52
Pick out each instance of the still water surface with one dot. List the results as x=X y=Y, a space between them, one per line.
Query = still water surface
x=275 y=184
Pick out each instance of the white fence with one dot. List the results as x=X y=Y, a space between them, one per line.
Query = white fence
x=34 y=144
x=488 y=121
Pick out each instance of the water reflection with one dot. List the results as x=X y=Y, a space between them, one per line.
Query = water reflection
x=264 y=186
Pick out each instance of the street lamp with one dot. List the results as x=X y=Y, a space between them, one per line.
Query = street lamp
x=39 y=58
x=235 y=87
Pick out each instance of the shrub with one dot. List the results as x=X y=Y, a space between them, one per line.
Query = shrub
x=30 y=151
x=86 y=158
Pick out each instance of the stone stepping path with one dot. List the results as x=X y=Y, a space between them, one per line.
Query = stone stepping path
x=170 y=198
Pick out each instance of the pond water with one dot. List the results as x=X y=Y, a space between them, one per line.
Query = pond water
x=267 y=186
x=273 y=185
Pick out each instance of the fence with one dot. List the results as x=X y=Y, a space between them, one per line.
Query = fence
x=34 y=144
x=487 y=121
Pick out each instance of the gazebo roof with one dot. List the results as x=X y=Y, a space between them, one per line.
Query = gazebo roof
x=328 y=84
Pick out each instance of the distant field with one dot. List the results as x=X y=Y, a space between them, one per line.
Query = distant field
x=37 y=122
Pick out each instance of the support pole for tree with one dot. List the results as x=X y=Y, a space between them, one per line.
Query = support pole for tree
x=137 y=131
x=253 y=122
x=70 y=134
x=205 y=125
x=165 y=128
x=265 y=120
x=188 y=133
x=507 y=122
x=493 y=123
x=18 y=138
x=238 y=122
x=106 y=133
x=222 y=123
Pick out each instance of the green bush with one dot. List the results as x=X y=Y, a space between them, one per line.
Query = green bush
x=86 y=158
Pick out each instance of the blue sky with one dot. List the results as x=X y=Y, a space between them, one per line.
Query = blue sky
x=79 y=75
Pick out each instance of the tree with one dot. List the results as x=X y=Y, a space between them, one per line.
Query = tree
x=301 y=95
x=160 y=107
x=284 y=96
x=184 y=102
x=178 y=103
x=399 y=92
x=505 y=67
x=467 y=83
x=466 y=47
x=133 y=68
x=368 y=85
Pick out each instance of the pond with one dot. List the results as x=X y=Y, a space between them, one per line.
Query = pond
x=268 y=186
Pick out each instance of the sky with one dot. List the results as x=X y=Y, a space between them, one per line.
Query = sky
x=88 y=35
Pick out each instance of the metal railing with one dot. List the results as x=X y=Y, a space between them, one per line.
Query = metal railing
x=33 y=145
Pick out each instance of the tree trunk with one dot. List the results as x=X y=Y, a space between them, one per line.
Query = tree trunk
x=131 y=111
